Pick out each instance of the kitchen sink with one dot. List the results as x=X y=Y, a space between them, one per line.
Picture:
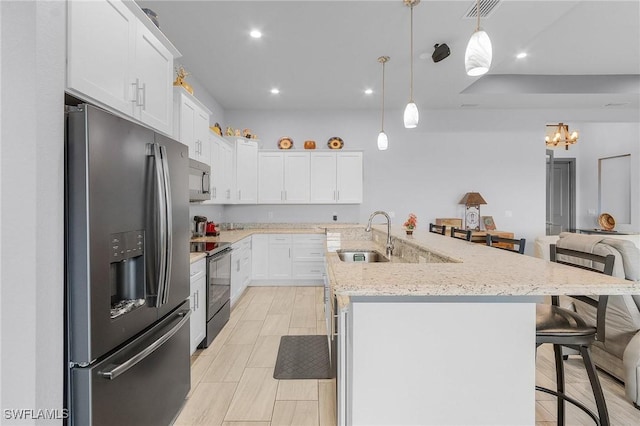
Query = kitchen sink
x=364 y=256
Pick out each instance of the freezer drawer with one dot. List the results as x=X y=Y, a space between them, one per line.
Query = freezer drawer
x=144 y=383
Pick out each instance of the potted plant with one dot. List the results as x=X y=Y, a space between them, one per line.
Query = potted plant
x=411 y=223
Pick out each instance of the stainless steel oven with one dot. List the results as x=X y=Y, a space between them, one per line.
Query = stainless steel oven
x=218 y=286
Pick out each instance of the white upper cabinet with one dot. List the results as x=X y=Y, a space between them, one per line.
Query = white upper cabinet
x=349 y=177
x=297 y=171
x=246 y=171
x=270 y=178
x=336 y=177
x=117 y=59
x=283 y=177
x=191 y=125
x=323 y=178
x=153 y=69
x=221 y=170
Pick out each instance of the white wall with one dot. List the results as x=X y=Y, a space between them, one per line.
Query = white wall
x=31 y=196
x=599 y=140
x=426 y=170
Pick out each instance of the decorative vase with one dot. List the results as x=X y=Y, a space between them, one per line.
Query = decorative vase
x=409 y=231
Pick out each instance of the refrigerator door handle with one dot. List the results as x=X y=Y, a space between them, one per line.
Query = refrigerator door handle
x=119 y=369
x=168 y=247
x=161 y=229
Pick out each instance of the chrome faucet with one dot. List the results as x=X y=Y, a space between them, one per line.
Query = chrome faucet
x=389 y=245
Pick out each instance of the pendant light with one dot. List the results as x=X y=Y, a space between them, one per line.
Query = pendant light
x=411 y=115
x=383 y=141
x=477 y=58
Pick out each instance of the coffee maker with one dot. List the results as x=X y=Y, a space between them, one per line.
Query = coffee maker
x=200 y=225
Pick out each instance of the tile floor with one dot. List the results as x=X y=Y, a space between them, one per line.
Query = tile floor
x=232 y=380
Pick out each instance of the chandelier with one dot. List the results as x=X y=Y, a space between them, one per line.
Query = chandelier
x=558 y=135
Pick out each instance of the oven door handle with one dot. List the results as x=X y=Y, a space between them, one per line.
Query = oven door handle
x=116 y=370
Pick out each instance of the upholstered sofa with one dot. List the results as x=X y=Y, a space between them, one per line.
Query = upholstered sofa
x=619 y=354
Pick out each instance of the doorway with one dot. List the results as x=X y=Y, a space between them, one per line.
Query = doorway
x=561 y=194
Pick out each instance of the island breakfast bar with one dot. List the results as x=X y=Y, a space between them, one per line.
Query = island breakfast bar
x=444 y=333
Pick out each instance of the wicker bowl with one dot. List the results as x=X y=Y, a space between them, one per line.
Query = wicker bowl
x=606 y=221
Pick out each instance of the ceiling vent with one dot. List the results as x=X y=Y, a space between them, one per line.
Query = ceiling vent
x=486 y=9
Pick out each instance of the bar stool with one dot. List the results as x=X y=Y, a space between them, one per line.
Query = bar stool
x=563 y=327
x=437 y=229
x=461 y=234
x=492 y=240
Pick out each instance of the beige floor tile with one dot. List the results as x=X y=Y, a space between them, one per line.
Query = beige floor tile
x=263 y=294
x=246 y=423
x=265 y=352
x=321 y=327
x=254 y=397
x=245 y=333
x=295 y=413
x=284 y=298
x=256 y=311
x=229 y=365
x=221 y=338
x=199 y=365
x=297 y=390
x=275 y=325
x=327 y=402
x=304 y=314
x=207 y=406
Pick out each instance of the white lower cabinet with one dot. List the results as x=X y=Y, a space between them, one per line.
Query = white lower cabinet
x=281 y=259
x=240 y=268
x=198 y=303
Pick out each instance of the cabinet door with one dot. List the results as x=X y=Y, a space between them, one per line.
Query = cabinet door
x=246 y=172
x=349 y=177
x=226 y=180
x=198 y=303
x=297 y=172
x=260 y=257
x=153 y=72
x=187 y=119
x=280 y=256
x=236 y=275
x=201 y=135
x=215 y=162
x=323 y=177
x=270 y=178
x=247 y=256
x=100 y=52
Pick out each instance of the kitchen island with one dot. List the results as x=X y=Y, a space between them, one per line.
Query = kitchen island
x=445 y=332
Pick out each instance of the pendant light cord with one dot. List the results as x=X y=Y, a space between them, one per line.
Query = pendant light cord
x=382 y=128
x=411 y=58
x=478 y=14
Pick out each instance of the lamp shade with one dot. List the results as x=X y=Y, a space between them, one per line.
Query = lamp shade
x=472 y=198
x=477 y=57
x=383 y=141
x=411 y=116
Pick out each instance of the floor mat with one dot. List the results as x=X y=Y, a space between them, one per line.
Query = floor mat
x=303 y=357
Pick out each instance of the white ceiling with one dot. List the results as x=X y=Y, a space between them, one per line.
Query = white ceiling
x=323 y=54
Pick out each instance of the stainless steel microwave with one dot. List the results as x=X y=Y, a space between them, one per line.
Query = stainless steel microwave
x=199 y=181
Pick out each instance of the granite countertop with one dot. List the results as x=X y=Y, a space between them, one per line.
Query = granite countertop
x=462 y=269
x=428 y=264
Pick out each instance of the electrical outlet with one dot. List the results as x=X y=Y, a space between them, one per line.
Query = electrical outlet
x=270 y=215
x=591 y=212
x=335 y=217
x=392 y=214
x=508 y=213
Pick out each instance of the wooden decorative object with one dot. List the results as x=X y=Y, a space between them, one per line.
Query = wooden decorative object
x=449 y=221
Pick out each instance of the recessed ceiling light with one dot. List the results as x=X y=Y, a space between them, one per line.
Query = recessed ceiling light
x=368 y=91
x=255 y=34
x=275 y=91
x=521 y=55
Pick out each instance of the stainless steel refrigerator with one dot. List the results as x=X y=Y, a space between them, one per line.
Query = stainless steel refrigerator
x=127 y=272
